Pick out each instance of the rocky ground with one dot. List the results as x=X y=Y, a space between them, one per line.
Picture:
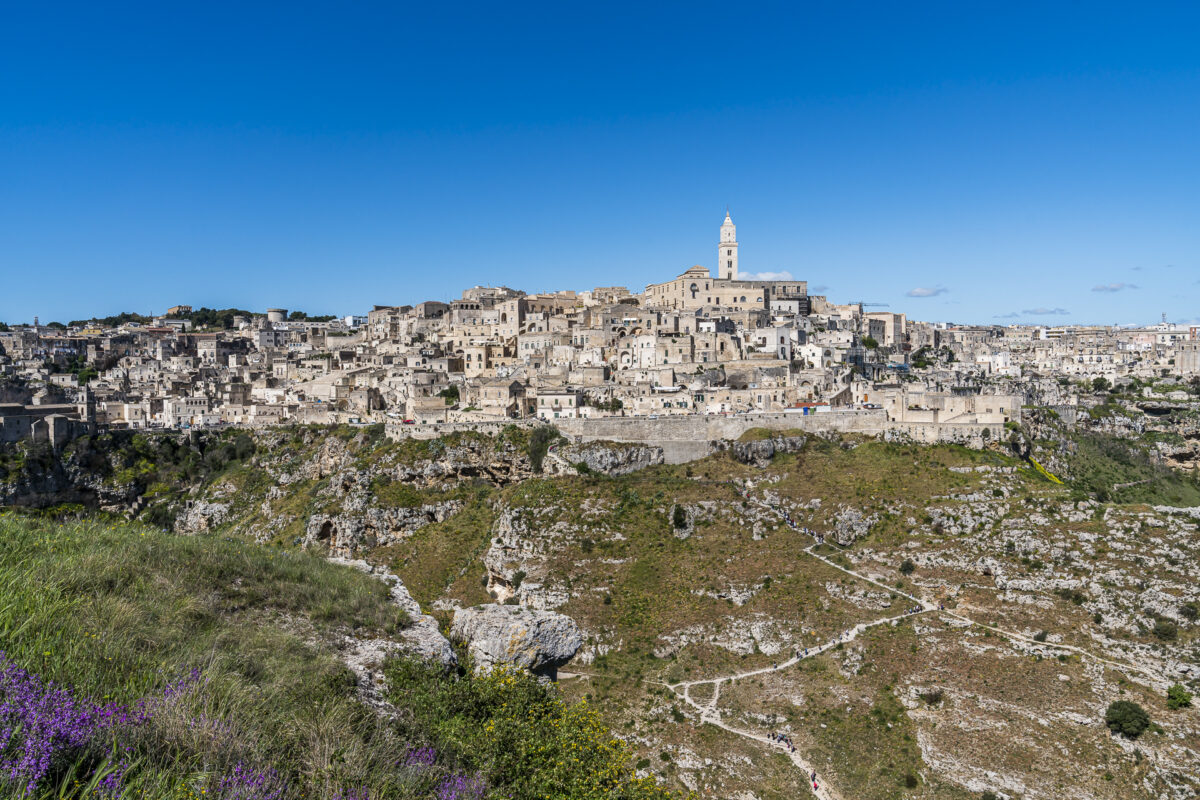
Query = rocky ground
x=913 y=621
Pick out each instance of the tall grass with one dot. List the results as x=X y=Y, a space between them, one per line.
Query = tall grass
x=119 y=612
x=156 y=666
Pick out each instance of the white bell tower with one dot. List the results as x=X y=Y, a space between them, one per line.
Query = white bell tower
x=727 y=266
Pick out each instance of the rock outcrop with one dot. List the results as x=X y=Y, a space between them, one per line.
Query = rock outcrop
x=421 y=638
x=539 y=641
x=347 y=535
x=612 y=459
x=760 y=452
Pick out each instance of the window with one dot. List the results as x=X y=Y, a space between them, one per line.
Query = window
x=729 y=252
x=729 y=264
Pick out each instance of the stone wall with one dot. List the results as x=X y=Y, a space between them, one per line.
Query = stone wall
x=688 y=437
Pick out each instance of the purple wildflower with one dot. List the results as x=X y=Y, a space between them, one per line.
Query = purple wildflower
x=39 y=722
x=420 y=757
x=244 y=783
x=113 y=783
x=461 y=787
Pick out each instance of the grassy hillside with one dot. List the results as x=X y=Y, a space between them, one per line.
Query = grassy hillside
x=140 y=664
x=923 y=708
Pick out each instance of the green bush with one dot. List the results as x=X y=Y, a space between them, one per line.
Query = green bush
x=1178 y=697
x=1165 y=630
x=679 y=518
x=1127 y=719
x=518 y=732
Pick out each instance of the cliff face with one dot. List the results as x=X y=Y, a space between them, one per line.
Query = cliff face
x=87 y=473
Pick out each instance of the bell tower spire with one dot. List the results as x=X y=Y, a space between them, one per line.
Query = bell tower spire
x=727 y=250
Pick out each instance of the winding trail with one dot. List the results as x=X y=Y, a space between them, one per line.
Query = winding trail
x=1120 y=665
x=711 y=714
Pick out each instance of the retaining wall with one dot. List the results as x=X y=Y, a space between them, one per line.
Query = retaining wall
x=689 y=437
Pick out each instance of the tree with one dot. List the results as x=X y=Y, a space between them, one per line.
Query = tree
x=1101 y=384
x=450 y=393
x=112 y=322
x=870 y=343
x=679 y=518
x=1166 y=631
x=1178 y=697
x=539 y=444
x=907 y=567
x=1127 y=719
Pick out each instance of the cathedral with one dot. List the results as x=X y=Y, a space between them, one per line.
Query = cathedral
x=697 y=288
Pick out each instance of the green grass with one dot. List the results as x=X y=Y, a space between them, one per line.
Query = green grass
x=1114 y=469
x=119 y=611
x=443 y=554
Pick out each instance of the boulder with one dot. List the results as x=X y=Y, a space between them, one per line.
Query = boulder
x=539 y=641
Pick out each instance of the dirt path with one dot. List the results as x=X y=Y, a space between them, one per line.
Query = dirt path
x=709 y=713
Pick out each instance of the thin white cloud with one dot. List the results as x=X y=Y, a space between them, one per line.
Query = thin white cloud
x=924 y=291
x=1113 y=287
x=818 y=288
x=782 y=275
x=1040 y=311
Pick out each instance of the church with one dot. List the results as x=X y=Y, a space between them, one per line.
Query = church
x=698 y=288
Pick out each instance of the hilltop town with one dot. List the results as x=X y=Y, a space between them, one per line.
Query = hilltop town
x=783 y=545
x=707 y=342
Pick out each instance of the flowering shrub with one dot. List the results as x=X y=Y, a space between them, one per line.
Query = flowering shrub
x=526 y=742
x=41 y=724
x=420 y=757
x=245 y=783
x=461 y=787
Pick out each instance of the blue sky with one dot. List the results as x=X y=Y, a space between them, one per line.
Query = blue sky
x=958 y=161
